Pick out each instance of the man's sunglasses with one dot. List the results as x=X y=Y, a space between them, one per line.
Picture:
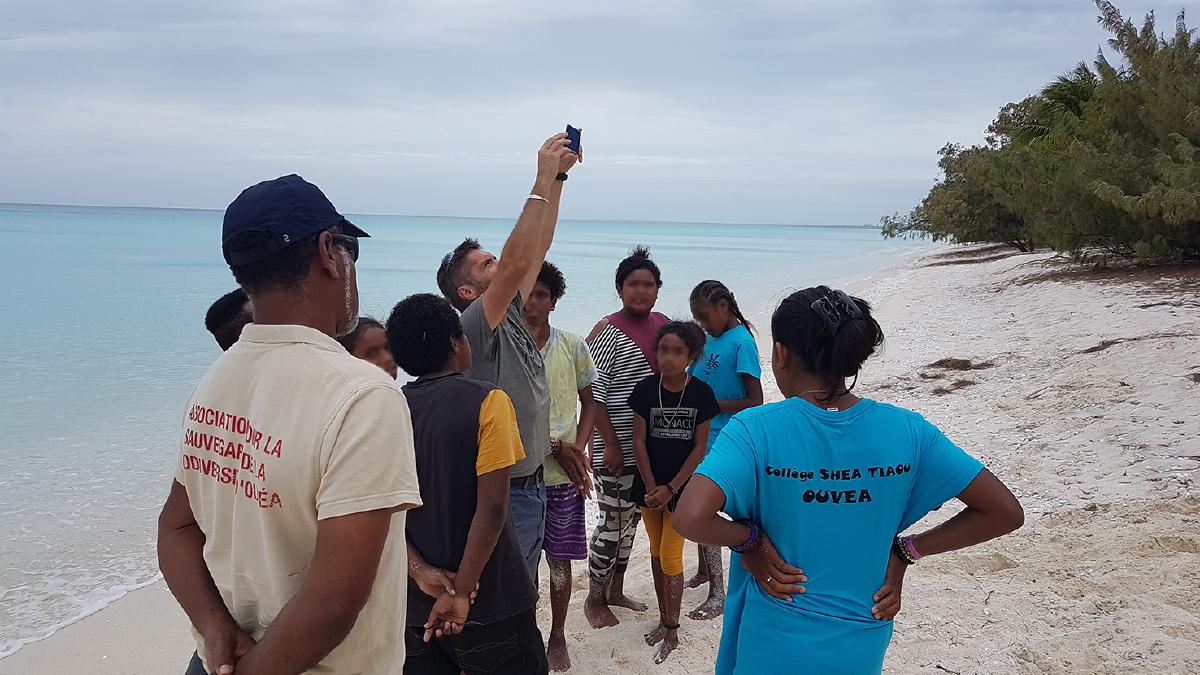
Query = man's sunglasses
x=347 y=242
x=446 y=259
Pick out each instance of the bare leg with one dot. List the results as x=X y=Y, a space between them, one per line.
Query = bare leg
x=560 y=598
x=617 y=597
x=701 y=577
x=714 y=606
x=666 y=636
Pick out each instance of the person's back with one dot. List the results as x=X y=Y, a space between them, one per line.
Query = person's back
x=282 y=535
x=828 y=482
x=833 y=489
x=260 y=511
x=471 y=599
x=449 y=414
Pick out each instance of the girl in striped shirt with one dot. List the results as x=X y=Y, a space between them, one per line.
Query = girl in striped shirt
x=623 y=348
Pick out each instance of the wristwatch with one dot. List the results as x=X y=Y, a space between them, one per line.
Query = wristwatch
x=561 y=176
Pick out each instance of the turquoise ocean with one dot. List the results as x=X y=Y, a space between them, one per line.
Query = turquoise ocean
x=102 y=337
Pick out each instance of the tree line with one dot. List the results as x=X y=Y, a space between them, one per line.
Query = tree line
x=1104 y=158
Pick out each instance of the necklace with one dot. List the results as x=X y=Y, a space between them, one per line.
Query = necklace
x=818 y=391
x=671 y=418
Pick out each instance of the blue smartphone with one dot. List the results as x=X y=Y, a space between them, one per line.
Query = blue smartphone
x=575 y=138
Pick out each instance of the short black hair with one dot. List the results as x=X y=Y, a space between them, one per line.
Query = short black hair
x=554 y=280
x=689 y=331
x=639 y=259
x=449 y=274
x=419 y=332
x=350 y=340
x=226 y=318
x=287 y=269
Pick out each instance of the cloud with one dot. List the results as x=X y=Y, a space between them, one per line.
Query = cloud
x=765 y=110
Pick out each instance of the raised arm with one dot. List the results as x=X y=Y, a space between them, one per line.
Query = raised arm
x=525 y=250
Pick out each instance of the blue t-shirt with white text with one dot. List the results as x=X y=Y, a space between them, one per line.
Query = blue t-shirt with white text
x=726 y=359
x=832 y=490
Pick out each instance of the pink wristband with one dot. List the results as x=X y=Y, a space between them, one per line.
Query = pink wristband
x=911 y=548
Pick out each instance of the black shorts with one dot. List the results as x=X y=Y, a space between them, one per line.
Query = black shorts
x=510 y=646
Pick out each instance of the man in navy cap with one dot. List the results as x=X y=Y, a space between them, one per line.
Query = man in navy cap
x=283 y=534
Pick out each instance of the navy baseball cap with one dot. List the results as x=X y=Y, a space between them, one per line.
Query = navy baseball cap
x=280 y=212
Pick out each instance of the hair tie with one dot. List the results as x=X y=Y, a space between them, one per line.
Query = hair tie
x=836 y=309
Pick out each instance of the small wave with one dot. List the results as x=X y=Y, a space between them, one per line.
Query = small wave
x=93 y=602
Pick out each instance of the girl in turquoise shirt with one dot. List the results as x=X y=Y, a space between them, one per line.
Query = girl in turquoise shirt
x=829 y=481
x=730 y=366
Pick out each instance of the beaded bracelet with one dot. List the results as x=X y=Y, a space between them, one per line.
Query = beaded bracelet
x=911 y=546
x=752 y=542
x=901 y=552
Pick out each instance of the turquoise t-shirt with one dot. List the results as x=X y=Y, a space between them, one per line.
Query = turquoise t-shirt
x=831 y=489
x=725 y=360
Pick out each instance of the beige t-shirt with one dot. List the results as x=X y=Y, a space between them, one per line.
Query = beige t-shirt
x=284 y=430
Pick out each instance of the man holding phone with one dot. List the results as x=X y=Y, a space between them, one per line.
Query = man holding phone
x=491 y=292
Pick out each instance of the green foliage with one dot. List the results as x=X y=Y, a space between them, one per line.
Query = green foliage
x=1104 y=157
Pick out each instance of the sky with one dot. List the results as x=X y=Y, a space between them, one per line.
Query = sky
x=763 y=111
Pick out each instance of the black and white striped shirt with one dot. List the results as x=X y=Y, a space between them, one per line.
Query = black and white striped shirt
x=620 y=365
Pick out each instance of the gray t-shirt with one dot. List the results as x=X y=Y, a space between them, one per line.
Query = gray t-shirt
x=510 y=359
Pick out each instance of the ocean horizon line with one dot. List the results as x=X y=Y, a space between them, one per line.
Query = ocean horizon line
x=418 y=215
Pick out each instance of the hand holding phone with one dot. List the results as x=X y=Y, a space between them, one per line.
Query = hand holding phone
x=575 y=138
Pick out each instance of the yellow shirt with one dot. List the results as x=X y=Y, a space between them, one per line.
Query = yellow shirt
x=284 y=430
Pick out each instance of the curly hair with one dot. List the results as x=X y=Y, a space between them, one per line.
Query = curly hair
x=554 y=280
x=639 y=259
x=419 y=333
x=689 y=331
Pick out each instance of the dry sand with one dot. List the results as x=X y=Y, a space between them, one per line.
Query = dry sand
x=1082 y=393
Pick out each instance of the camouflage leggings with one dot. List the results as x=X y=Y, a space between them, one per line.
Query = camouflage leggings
x=612 y=540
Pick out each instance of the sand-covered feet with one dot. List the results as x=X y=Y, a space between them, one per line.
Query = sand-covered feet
x=667 y=640
x=557 y=654
x=711 y=608
x=595 y=609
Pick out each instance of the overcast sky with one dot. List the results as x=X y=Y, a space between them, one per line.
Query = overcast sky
x=790 y=111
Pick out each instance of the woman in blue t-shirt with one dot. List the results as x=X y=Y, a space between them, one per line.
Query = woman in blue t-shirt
x=834 y=479
x=730 y=366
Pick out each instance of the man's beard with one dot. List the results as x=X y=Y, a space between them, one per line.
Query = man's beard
x=351 y=317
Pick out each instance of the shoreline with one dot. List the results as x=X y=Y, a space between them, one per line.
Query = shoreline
x=1082 y=395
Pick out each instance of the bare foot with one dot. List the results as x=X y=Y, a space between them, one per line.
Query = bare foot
x=598 y=614
x=622 y=600
x=709 y=609
x=556 y=653
x=656 y=636
x=670 y=641
x=697 y=581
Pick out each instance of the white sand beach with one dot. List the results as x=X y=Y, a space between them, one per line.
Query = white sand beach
x=1079 y=388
